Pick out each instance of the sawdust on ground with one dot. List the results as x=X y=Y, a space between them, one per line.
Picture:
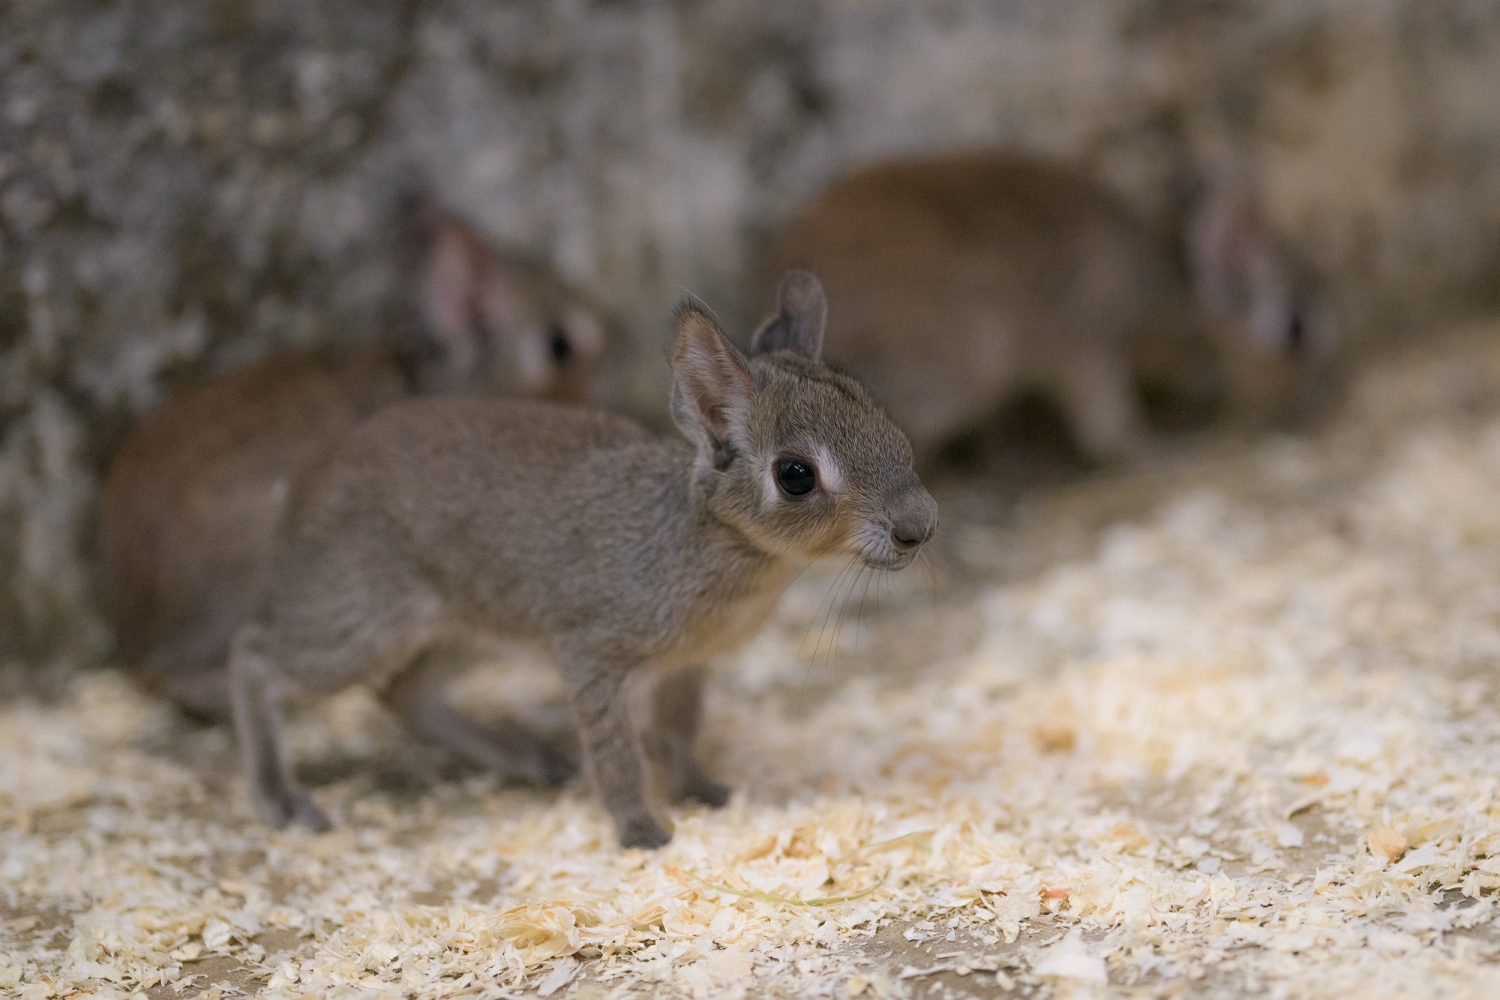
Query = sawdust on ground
x=1228 y=726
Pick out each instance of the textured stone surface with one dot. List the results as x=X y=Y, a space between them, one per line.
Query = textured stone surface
x=185 y=186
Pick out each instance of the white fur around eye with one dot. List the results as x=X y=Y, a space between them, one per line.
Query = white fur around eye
x=772 y=492
x=830 y=476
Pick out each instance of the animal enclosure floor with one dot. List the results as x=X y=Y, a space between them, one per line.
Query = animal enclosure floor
x=1230 y=727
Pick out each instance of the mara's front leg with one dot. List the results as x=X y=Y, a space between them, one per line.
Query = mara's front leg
x=612 y=749
x=672 y=739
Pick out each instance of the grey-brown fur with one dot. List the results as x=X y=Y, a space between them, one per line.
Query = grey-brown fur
x=626 y=555
x=958 y=281
x=191 y=503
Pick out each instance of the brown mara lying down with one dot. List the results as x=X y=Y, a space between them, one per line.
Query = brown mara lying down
x=190 y=506
x=959 y=281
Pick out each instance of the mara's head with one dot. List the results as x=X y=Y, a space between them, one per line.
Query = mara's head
x=493 y=323
x=1277 y=329
x=790 y=452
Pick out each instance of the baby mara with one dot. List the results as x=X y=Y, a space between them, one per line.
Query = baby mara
x=438 y=521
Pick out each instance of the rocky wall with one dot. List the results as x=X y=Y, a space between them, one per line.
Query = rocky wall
x=187 y=185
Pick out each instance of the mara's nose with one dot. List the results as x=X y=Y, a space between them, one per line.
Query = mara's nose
x=913 y=521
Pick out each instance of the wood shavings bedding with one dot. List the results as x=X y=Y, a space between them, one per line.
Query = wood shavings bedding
x=1249 y=746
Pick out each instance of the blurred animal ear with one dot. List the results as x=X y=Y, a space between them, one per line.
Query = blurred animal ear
x=464 y=289
x=1229 y=247
x=801 y=317
x=1239 y=271
x=712 y=383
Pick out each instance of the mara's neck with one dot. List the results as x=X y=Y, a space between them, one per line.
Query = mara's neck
x=718 y=555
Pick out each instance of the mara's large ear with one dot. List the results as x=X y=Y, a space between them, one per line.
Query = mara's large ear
x=801 y=316
x=1242 y=273
x=463 y=288
x=1231 y=252
x=712 y=383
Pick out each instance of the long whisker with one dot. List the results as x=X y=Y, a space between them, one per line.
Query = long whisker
x=833 y=648
x=859 y=616
x=829 y=599
x=881 y=583
x=845 y=600
x=873 y=578
x=795 y=577
x=929 y=567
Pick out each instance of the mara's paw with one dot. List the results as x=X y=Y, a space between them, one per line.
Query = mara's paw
x=274 y=811
x=307 y=813
x=642 y=831
x=291 y=805
x=710 y=793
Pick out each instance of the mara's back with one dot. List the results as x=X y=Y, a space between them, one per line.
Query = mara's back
x=519 y=508
x=953 y=280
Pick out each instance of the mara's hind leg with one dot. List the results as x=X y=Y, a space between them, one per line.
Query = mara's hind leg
x=419 y=694
x=275 y=793
x=672 y=739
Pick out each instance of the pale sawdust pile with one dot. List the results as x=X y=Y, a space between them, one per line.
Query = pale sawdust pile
x=1252 y=740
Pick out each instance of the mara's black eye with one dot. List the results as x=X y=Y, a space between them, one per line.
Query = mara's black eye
x=795 y=477
x=561 y=346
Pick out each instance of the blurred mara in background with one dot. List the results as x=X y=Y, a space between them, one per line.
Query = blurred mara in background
x=191 y=506
x=958 y=282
